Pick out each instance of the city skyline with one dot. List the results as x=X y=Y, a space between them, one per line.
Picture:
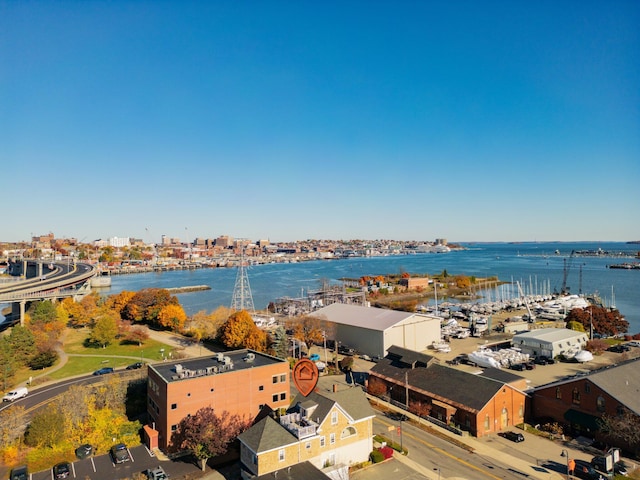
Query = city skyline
x=493 y=121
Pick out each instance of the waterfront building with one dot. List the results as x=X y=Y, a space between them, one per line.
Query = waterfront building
x=550 y=342
x=371 y=331
x=238 y=382
x=481 y=404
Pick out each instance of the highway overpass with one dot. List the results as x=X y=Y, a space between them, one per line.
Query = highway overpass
x=34 y=280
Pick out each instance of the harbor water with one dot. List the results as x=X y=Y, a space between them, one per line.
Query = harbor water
x=537 y=267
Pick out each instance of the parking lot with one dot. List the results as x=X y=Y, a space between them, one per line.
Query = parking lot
x=101 y=467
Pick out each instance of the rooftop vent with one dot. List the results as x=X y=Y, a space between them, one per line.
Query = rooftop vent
x=178 y=368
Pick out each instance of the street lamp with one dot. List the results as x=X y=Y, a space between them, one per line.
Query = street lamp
x=565 y=453
x=438 y=469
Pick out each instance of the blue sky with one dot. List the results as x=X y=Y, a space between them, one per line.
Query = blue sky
x=414 y=120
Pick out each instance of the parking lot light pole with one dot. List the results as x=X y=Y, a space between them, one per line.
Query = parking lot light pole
x=566 y=454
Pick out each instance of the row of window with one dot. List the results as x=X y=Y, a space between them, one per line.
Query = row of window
x=346 y=433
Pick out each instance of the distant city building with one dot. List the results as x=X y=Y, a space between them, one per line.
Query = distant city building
x=117 y=242
x=166 y=241
x=238 y=382
x=224 y=241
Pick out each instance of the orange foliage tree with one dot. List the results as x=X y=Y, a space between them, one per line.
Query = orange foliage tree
x=172 y=317
x=240 y=331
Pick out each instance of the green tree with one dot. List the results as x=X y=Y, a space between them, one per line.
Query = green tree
x=280 y=344
x=44 y=429
x=206 y=434
x=43 y=359
x=575 y=325
x=22 y=344
x=105 y=330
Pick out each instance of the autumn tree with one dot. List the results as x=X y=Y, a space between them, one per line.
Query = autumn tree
x=45 y=324
x=80 y=314
x=12 y=424
x=119 y=300
x=420 y=408
x=376 y=387
x=207 y=325
x=137 y=334
x=146 y=304
x=307 y=329
x=605 y=322
x=206 y=434
x=462 y=281
x=240 y=331
x=172 y=317
x=575 y=325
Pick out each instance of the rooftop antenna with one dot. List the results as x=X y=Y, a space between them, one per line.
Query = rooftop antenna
x=242 y=298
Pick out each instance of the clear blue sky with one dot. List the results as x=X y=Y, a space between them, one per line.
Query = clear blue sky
x=467 y=120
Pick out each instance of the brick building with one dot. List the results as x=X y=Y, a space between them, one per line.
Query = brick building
x=239 y=382
x=331 y=429
x=481 y=404
x=579 y=402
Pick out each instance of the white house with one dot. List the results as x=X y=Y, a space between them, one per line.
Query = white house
x=372 y=331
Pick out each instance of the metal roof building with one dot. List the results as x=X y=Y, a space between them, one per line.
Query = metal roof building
x=372 y=331
x=550 y=342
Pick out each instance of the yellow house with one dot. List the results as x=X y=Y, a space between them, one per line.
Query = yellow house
x=331 y=429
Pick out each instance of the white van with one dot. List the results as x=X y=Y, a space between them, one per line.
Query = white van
x=15 y=394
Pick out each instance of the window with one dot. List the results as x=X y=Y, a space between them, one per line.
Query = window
x=308 y=446
x=487 y=423
x=332 y=439
x=521 y=411
x=274 y=397
x=281 y=455
x=283 y=378
x=283 y=396
x=261 y=388
x=322 y=441
x=174 y=428
x=575 y=396
x=255 y=459
x=174 y=406
x=587 y=387
x=600 y=403
x=348 y=432
x=274 y=379
x=334 y=418
x=558 y=393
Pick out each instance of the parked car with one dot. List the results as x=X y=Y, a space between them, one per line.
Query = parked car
x=517 y=366
x=585 y=471
x=600 y=464
x=61 y=470
x=19 y=473
x=84 y=451
x=156 y=474
x=529 y=365
x=513 y=436
x=103 y=371
x=120 y=453
x=15 y=394
x=314 y=357
x=135 y=366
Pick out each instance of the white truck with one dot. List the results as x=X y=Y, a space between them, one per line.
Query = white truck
x=15 y=394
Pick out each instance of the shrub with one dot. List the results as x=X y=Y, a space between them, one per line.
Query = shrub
x=376 y=456
x=387 y=452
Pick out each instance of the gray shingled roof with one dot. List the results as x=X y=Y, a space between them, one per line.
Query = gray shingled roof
x=352 y=400
x=454 y=386
x=266 y=435
x=299 y=471
x=622 y=382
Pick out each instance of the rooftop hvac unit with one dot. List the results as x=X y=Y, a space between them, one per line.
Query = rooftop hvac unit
x=250 y=357
x=178 y=368
x=220 y=357
x=227 y=360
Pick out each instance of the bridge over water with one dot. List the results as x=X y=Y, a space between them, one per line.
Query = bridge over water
x=35 y=280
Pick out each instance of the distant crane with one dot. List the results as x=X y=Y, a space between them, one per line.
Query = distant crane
x=567 y=266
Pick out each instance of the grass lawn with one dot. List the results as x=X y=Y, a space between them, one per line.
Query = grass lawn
x=83 y=360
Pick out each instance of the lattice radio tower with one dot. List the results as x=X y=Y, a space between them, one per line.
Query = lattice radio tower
x=242 y=299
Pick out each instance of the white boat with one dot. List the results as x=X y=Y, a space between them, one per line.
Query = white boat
x=483 y=358
x=441 y=346
x=583 y=356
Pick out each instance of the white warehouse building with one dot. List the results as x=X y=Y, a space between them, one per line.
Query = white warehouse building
x=371 y=330
x=551 y=342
